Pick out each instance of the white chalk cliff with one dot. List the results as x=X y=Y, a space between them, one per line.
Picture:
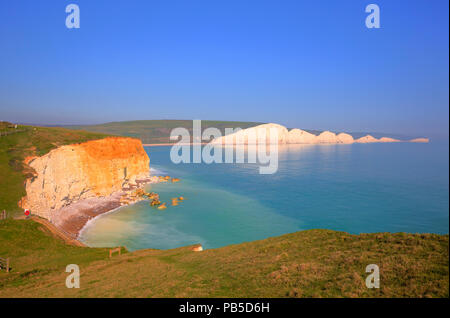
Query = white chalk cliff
x=367 y=139
x=298 y=136
x=343 y=138
x=420 y=140
x=252 y=135
x=327 y=137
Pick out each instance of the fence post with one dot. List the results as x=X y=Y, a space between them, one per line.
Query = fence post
x=7 y=265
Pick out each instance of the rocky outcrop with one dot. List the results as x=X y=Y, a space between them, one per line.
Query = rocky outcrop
x=95 y=168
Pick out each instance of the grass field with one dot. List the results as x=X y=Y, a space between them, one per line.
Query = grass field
x=315 y=263
x=24 y=141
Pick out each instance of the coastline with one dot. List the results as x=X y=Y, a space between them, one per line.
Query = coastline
x=175 y=143
x=72 y=218
x=80 y=232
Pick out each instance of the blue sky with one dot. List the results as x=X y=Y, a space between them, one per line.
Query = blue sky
x=306 y=64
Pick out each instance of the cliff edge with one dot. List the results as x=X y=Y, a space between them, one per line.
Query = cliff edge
x=71 y=173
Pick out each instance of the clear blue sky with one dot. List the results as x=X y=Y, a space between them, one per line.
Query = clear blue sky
x=306 y=64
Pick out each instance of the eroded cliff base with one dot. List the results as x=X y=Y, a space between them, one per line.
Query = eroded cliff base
x=72 y=218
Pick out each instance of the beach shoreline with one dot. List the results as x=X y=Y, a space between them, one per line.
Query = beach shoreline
x=73 y=218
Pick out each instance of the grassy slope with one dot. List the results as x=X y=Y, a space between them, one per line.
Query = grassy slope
x=157 y=131
x=29 y=141
x=315 y=263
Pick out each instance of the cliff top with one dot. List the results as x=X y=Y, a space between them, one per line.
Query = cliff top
x=25 y=141
x=112 y=147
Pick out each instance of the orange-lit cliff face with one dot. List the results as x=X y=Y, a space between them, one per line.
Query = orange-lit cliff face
x=74 y=172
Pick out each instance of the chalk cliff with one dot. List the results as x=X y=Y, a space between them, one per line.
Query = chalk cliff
x=388 y=139
x=420 y=140
x=367 y=139
x=252 y=135
x=298 y=136
x=327 y=137
x=71 y=173
x=344 y=138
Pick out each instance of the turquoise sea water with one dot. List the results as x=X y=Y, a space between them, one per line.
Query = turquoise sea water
x=359 y=188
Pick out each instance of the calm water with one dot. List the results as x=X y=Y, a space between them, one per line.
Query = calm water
x=398 y=187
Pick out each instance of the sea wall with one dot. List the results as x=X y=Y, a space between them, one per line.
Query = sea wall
x=71 y=173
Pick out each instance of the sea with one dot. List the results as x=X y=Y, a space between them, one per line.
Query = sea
x=355 y=188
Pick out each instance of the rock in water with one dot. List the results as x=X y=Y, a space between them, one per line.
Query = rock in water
x=162 y=206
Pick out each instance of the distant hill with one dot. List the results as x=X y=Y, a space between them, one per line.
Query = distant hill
x=158 y=131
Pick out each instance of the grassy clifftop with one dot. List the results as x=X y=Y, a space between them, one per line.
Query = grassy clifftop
x=18 y=143
x=315 y=263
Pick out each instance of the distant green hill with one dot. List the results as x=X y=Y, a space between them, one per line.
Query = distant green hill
x=157 y=131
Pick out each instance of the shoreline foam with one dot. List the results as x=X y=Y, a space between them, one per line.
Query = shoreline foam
x=75 y=217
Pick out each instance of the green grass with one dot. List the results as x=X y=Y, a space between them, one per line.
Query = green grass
x=29 y=141
x=158 y=131
x=315 y=263
x=34 y=252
